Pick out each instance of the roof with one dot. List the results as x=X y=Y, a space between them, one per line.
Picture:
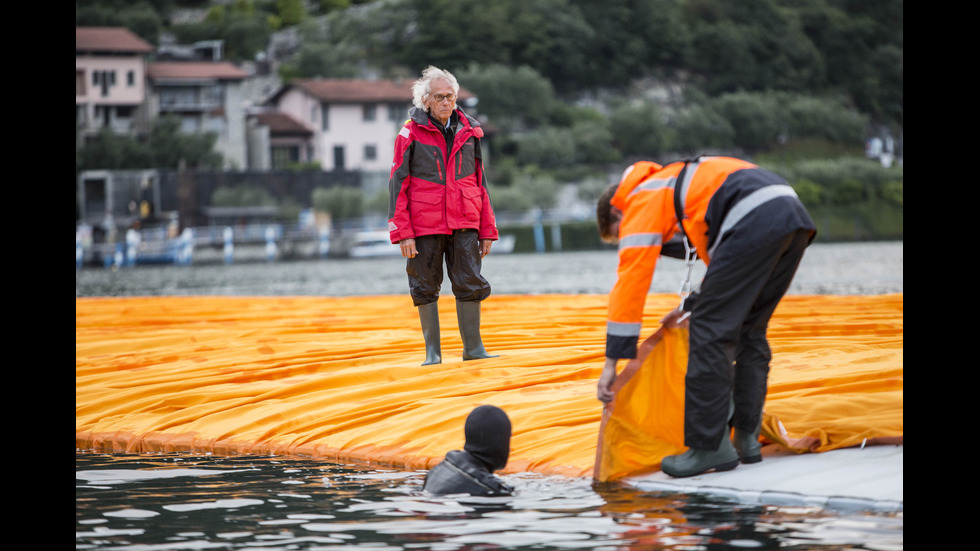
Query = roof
x=109 y=39
x=357 y=91
x=282 y=124
x=194 y=70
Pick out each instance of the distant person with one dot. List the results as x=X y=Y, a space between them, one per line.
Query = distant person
x=470 y=470
x=751 y=230
x=439 y=210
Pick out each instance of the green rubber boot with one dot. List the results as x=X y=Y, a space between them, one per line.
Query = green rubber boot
x=429 y=316
x=748 y=446
x=468 y=315
x=694 y=462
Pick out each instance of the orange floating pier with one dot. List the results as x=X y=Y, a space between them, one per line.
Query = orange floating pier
x=339 y=378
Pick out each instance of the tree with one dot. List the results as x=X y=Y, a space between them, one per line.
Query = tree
x=758 y=120
x=698 y=129
x=342 y=203
x=639 y=129
x=166 y=147
x=512 y=97
x=291 y=12
x=170 y=147
x=142 y=18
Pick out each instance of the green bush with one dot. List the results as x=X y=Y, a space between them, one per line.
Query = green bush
x=510 y=199
x=340 y=202
x=699 y=128
x=892 y=191
x=639 y=129
x=864 y=222
x=758 y=119
x=846 y=192
x=809 y=192
x=245 y=195
x=378 y=202
x=548 y=146
x=821 y=118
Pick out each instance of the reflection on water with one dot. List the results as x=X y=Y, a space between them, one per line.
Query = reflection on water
x=175 y=501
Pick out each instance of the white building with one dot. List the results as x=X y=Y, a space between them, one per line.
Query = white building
x=353 y=123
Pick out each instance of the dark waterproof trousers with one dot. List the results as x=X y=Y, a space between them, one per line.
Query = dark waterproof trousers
x=461 y=252
x=729 y=353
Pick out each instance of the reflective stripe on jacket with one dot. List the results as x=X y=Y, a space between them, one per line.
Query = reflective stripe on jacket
x=716 y=193
x=426 y=197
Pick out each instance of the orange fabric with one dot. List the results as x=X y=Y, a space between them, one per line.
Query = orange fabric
x=339 y=378
x=645 y=421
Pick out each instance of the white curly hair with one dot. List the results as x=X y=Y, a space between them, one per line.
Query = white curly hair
x=423 y=86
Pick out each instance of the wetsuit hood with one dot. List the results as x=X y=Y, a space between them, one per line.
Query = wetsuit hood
x=487 y=432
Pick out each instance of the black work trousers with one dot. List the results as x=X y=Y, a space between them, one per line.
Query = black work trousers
x=461 y=252
x=729 y=353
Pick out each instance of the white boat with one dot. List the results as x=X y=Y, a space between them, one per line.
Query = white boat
x=505 y=244
x=374 y=243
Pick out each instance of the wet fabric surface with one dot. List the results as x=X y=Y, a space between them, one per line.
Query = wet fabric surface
x=340 y=377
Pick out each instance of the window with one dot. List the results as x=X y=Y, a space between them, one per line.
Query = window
x=369 y=112
x=79 y=83
x=176 y=97
x=283 y=156
x=212 y=95
x=397 y=112
x=105 y=79
x=131 y=78
x=325 y=116
x=370 y=152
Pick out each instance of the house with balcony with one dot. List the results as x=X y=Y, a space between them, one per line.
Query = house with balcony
x=110 y=81
x=353 y=124
x=207 y=96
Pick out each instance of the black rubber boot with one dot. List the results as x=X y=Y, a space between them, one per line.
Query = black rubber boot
x=694 y=462
x=429 y=316
x=468 y=315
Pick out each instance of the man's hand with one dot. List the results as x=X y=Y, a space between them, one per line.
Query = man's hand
x=485 y=247
x=677 y=318
x=408 y=248
x=604 y=390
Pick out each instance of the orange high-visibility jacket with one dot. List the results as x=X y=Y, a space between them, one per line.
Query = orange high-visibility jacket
x=646 y=197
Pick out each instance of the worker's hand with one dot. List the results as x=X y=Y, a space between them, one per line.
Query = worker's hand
x=408 y=248
x=485 y=247
x=677 y=318
x=604 y=390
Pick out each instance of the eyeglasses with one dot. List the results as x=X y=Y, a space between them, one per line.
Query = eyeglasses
x=441 y=97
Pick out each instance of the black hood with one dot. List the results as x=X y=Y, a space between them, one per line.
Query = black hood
x=488 y=436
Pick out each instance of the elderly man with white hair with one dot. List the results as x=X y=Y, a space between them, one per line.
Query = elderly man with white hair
x=439 y=210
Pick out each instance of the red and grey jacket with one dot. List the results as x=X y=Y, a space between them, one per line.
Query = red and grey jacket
x=427 y=194
x=722 y=200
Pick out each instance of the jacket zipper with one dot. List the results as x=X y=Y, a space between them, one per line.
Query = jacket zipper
x=438 y=163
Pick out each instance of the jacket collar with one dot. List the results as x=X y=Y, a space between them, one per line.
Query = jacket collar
x=420 y=116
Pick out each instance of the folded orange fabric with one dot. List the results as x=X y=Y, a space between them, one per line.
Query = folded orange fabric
x=339 y=378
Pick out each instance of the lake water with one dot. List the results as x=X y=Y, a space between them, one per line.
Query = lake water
x=840 y=269
x=188 y=502
x=184 y=502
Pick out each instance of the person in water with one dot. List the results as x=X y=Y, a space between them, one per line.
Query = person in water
x=470 y=470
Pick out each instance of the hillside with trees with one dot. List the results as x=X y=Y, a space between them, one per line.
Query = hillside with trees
x=577 y=89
